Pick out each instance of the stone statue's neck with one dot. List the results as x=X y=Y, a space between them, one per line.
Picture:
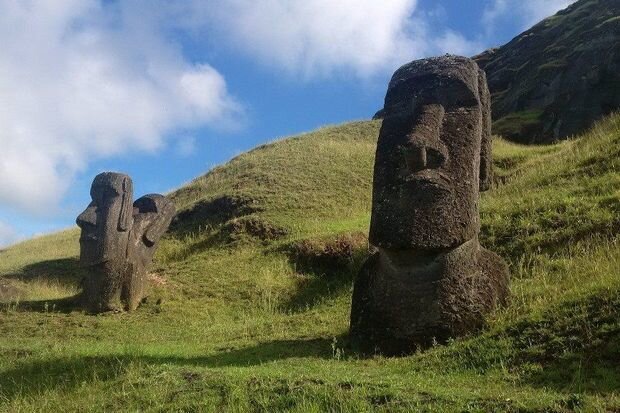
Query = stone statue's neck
x=415 y=258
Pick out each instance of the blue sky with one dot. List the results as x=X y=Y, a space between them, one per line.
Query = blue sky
x=165 y=89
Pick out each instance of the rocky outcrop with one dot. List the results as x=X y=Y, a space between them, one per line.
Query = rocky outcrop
x=557 y=78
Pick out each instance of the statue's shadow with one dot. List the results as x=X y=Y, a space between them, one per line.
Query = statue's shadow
x=63 y=271
x=321 y=278
x=32 y=376
x=63 y=274
x=28 y=378
x=58 y=305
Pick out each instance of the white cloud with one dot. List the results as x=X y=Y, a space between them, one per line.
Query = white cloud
x=315 y=38
x=80 y=80
x=8 y=235
x=528 y=12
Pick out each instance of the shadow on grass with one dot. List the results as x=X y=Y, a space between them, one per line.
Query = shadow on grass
x=327 y=265
x=59 y=305
x=30 y=378
x=595 y=370
x=316 y=287
x=35 y=377
x=64 y=271
x=196 y=247
x=574 y=347
x=513 y=249
x=318 y=348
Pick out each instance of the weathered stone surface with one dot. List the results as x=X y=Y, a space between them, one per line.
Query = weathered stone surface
x=430 y=279
x=152 y=216
x=118 y=241
x=425 y=189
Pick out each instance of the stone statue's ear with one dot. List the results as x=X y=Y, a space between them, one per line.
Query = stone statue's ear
x=124 y=220
x=160 y=223
x=486 y=158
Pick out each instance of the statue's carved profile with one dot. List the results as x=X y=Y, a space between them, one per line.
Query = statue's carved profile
x=118 y=241
x=430 y=279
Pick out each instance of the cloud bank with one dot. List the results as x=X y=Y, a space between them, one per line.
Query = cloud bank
x=316 y=38
x=81 y=80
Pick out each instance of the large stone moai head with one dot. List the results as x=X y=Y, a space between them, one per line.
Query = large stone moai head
x=433 y=156
x=429 y=279
x=107 y=220
x=118 y=240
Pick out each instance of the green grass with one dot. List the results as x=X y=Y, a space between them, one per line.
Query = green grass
x=553 y=65
x=235 y=322
x=510 y=159
x=615 y=19
x=517 y=123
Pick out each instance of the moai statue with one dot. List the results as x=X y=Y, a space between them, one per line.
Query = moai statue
x=429 y=279
x=118 y=241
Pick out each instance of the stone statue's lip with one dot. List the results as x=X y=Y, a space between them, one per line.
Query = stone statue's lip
x=88 y=238
x=429 y=177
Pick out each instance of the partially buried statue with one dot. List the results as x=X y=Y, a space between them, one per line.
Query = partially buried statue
x=429 y=280
x=118 y=241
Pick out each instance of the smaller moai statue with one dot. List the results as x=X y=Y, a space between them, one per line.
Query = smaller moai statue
x=429 y=280
x=118 y=240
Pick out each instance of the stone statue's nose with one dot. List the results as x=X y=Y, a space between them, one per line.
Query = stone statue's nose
x=416 y=158
x=425 y=150
x=88 y=217
x=425 y=157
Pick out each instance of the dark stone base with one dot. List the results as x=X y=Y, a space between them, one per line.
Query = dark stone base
x=406 y=300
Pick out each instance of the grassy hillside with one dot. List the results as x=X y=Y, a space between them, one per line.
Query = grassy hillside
x=251 y=294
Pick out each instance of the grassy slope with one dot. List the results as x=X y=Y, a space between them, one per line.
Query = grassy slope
x=233 y=322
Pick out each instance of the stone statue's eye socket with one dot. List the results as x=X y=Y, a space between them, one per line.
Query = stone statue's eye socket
x=98 y=198
x=458 y=95
x=466 y=103
x=466 y=98
x=434 y=158
x=111 y=193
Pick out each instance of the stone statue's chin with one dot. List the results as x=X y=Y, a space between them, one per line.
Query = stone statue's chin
x=86 y=239
x=90 y=254
x=427 y=188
